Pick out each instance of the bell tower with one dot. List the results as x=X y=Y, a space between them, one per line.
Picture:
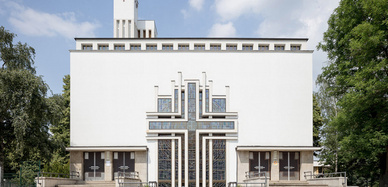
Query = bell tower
x=125 y=18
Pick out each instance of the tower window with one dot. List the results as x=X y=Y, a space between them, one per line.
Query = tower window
x=149 y=34
x=144 y=34
x=138 y=33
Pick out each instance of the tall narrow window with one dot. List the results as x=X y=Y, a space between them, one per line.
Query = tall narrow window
x=123 y=30
x=149 y=34
x=138 y=34
x=144 y=34
x=117 y=28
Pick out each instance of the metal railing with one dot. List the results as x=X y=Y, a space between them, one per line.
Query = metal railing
x=138 y=184
x=310 y=175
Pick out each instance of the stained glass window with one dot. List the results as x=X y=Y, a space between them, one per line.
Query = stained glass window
x=219 y=105
x=164 y=105
x=164 y=161
x=176 y=100
x=219 y=163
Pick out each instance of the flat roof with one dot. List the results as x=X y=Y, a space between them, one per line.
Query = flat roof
x=192 y=38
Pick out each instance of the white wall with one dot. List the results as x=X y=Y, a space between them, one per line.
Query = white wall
x=112 y=91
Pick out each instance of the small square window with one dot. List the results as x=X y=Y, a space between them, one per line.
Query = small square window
x=103 y=47
x=199 y=47
x=167 y=47
x=151 y=47
x=247 y=47
x=87 y=47
x=136 y=47
x=279 y=47
x=263 y=48
x=215 y=47
x=295 y=47
x=183 y=47
x=119 y=47
x=231 y=47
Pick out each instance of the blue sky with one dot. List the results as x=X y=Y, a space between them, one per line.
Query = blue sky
x=51 y=25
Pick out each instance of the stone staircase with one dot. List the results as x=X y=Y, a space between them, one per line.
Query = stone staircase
x=81 y=183
x=294 y=184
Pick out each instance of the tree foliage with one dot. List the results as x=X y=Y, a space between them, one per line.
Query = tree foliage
x=357 y=45
x=317 y=123
x=24 y=118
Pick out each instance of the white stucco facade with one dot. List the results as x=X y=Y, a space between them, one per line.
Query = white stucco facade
x=265 y=84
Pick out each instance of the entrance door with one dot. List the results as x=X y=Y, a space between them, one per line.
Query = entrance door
x=259 y=164
x=124 y=164
x=94 y=166
x=289 y=165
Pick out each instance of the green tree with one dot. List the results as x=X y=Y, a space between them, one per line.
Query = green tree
x=24 y=121
x=357 y=45
x=60 y=128
x=317 y=123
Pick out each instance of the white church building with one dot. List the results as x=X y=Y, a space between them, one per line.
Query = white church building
x=189 y=111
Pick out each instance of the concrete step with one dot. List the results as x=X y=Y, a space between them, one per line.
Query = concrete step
x=91 y=184
x=294 y=184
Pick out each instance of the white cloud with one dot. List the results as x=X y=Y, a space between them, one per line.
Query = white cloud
x=196 y=4
x=222 y=30
x=35 y=23
x=232 y=9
